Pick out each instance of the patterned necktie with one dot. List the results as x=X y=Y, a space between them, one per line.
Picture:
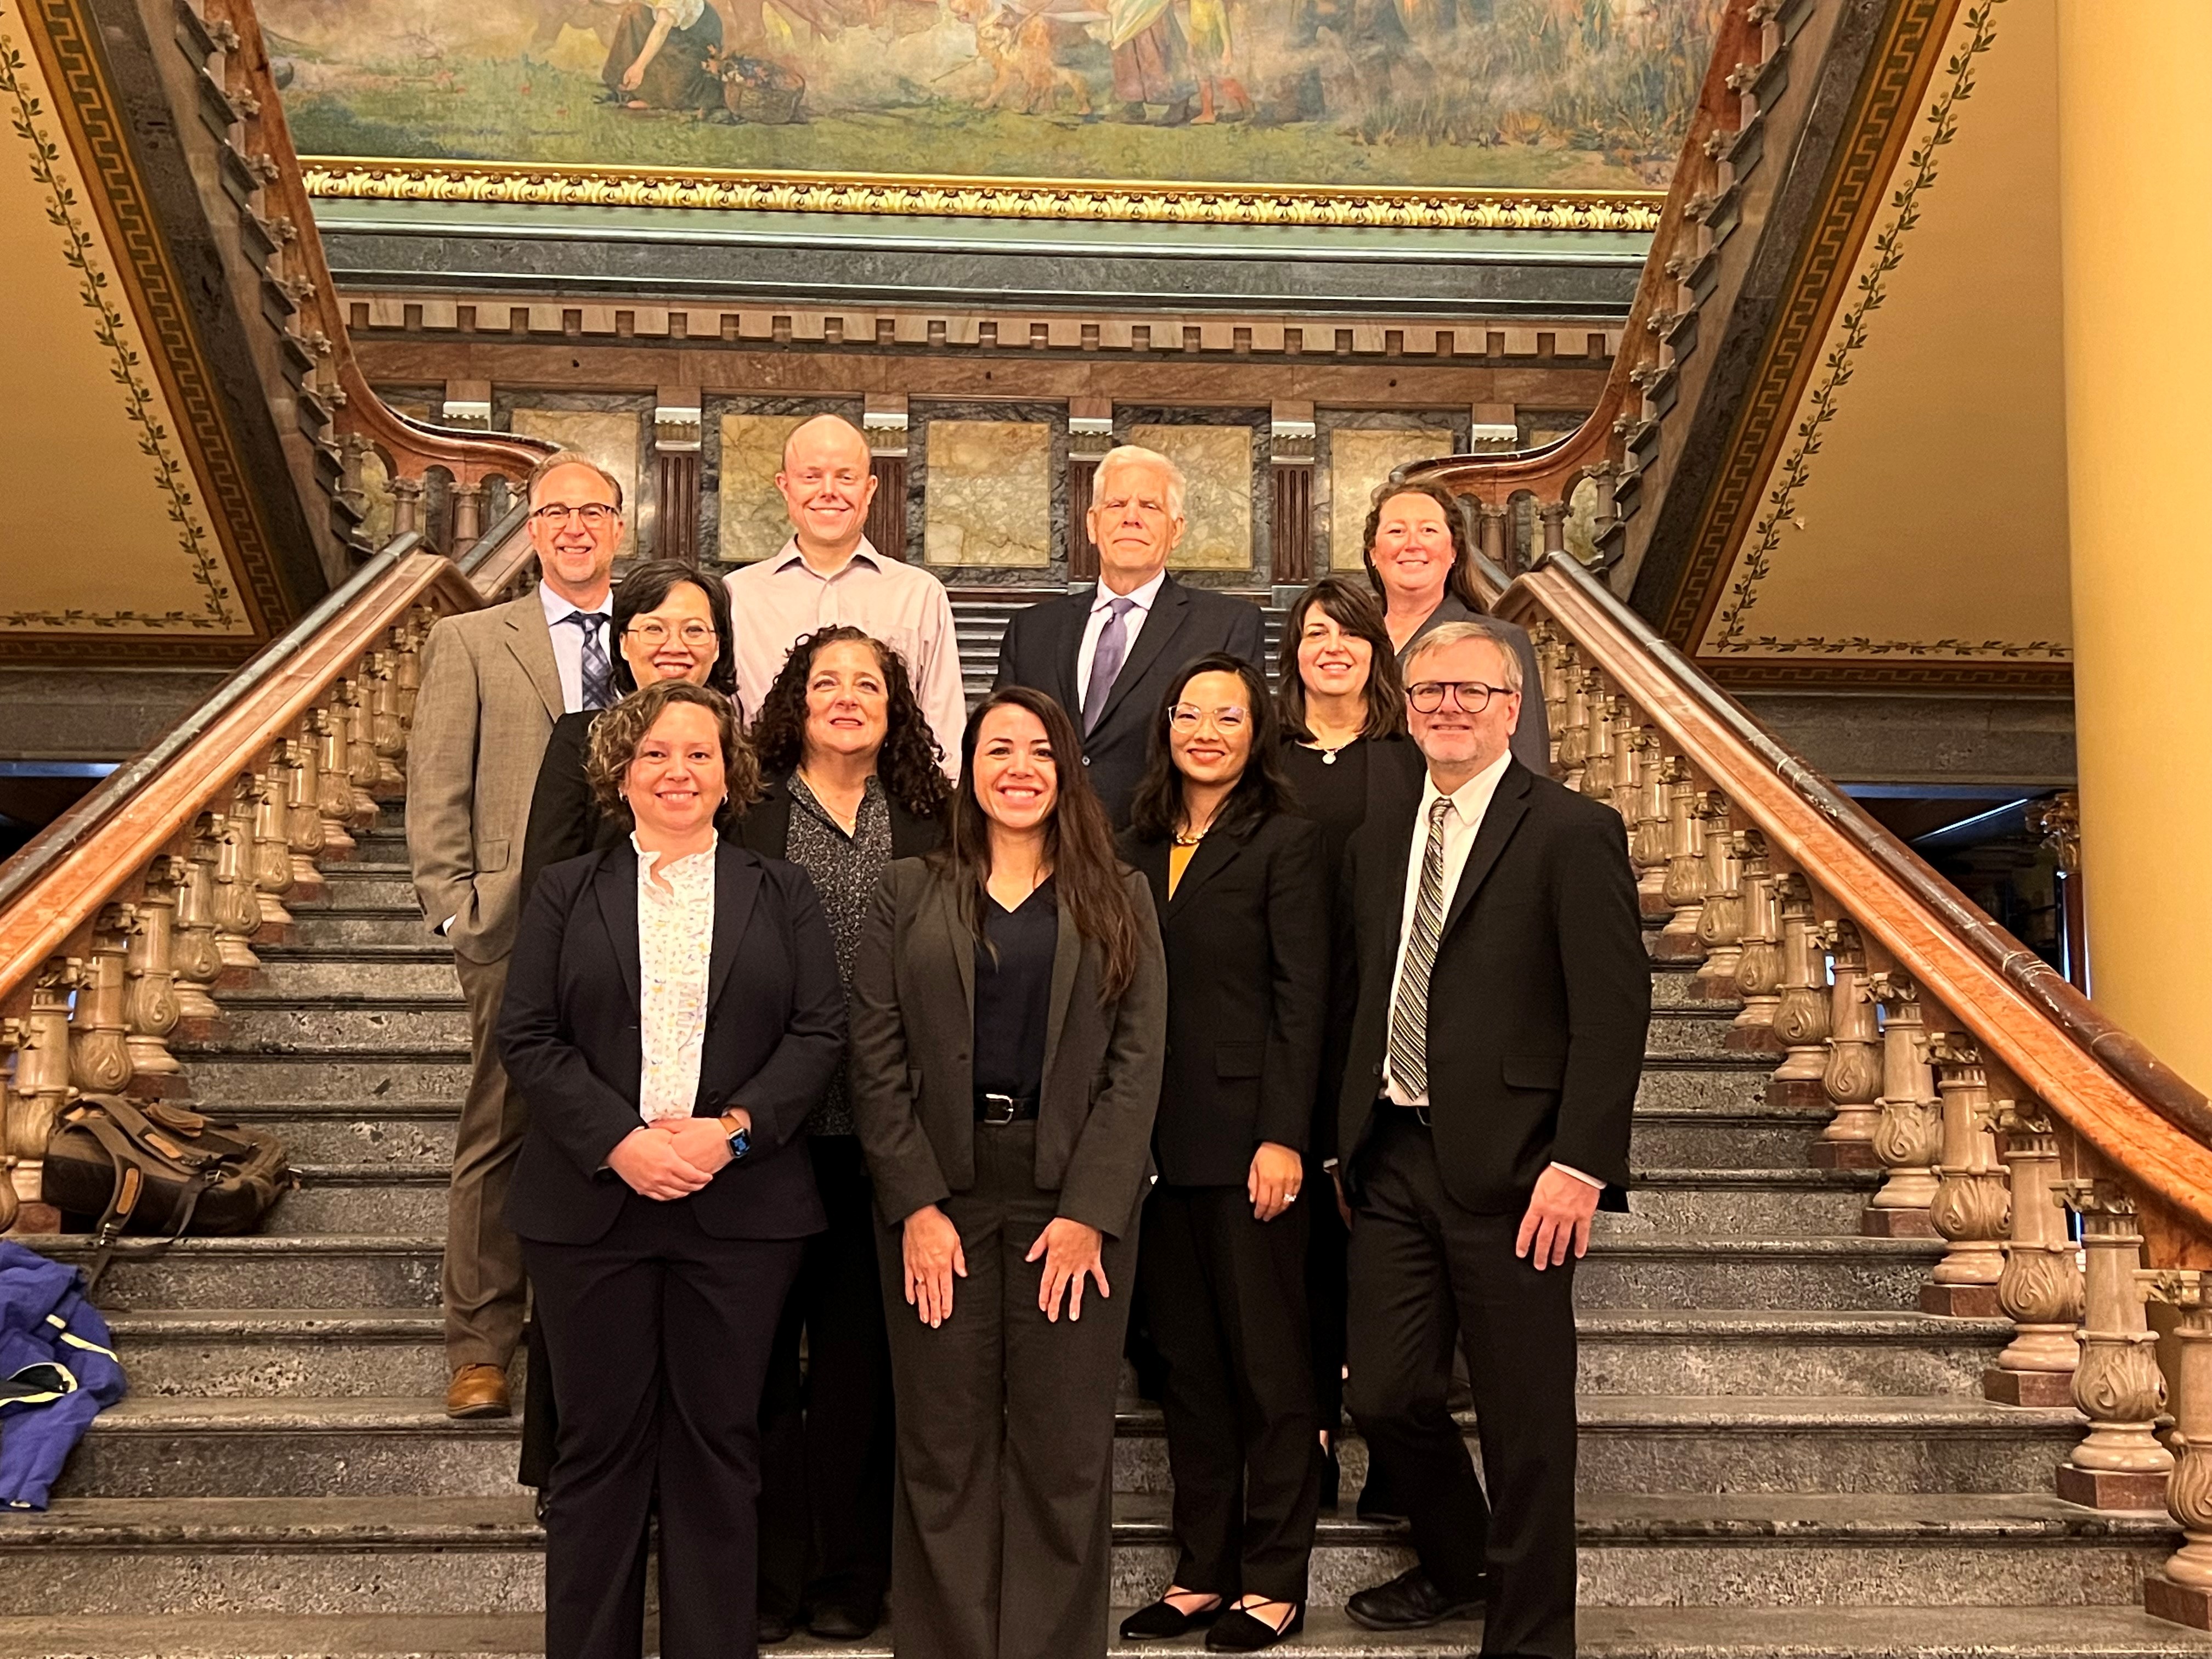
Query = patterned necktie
x=1106 y=661
x=599 y=673
x=1409 y=1012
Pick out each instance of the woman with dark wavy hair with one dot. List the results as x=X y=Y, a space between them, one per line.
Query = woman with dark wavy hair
x=1009 y=1005
x=851 y=782
x=1421 y=562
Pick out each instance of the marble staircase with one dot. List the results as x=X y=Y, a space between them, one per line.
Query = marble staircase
x=1781 y=1455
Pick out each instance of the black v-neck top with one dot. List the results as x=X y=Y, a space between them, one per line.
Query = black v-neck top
x=1013 y=993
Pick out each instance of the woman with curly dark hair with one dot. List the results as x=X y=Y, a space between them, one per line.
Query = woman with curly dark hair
x=851 y=782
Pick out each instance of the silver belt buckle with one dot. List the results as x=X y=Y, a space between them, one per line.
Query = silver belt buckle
x=999 y=1109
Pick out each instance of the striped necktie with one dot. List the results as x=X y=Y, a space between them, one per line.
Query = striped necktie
x=1409 y=1010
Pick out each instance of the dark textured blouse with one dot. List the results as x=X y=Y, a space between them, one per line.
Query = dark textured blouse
x=1334 y=797
x=1013 y=995
x=845 y=870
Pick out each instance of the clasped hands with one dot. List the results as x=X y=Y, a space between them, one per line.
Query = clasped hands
x=673 y=1156
x=931 y=1248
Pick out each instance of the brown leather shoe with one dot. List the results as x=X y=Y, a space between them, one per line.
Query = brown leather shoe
x=477 y=1391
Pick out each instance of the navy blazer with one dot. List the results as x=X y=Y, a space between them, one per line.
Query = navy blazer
x=569 y=1034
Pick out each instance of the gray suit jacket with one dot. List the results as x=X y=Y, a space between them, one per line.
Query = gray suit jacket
x=491 y=694
x=913 y=1070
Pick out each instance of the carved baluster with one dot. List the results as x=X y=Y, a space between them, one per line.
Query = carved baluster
x=41 y=1042
x=1597 y=744
x=1801 y=1014
x=356 y=699
x=2183 y=1592
x=388 y=735
x=1647 y=834
x=1759 y=968
x=237 y=902
x=1627 y=767
x=198 y=960
x=1720 y=922
x=1551 y=672
x=406 y=506
x=149 y=967
x=99 y=1027
x=261 y=801
x=1852 y=1077
x=303 y=821
x=1573 y=749
x=1973 y=1203
x=1685 y=888
x=468 y=511
x=2040 y=1289
x=407 y=661
x=1909 y=1137
x=333 y=783
x=2119 y=1464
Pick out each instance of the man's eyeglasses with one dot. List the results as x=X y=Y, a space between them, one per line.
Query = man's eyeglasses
x=595 y=515
x=654 y=633
x=1471 y=695
x=1188 y=717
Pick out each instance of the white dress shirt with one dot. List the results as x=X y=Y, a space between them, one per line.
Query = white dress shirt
x=568 y=641
x=674 y=948
x=779 y=601
x=1470 y=802
x=1102 y=606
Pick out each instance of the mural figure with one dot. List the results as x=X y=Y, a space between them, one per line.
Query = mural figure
x=1151 y=65
x=662 y=56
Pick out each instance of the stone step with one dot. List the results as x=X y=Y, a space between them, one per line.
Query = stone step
x=360 y=885
x=330 y=928
x=269 y=1352
x=1963 y=1632
x=462 y=1556
x=228 y=1081
x=342 y=1271
x=303 y=1446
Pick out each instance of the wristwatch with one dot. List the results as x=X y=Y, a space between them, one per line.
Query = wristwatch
x=741 y=1139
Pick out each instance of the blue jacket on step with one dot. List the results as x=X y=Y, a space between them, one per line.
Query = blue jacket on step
x=57 y=1372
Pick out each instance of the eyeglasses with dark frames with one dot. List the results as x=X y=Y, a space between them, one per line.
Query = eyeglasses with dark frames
x=1472 y=696
x=594 y=515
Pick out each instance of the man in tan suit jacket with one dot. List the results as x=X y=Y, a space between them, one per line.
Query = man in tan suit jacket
x=493 y=682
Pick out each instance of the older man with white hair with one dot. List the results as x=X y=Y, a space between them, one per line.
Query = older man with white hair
x=1106 y=653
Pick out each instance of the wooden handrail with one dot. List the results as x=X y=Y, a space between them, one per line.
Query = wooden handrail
x=2103 y=1083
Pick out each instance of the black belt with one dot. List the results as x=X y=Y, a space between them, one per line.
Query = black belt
x=1406 y=1113
x=1003 y=1108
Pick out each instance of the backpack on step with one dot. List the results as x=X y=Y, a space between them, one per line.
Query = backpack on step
x=152 y=1167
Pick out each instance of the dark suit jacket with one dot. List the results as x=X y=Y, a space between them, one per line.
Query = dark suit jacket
x=913 y=1070
x=1532 y=738
x=766 y=825
x=568 y=1033
x=565 y=822
x=1538 y=1002
x=1185 y=623
x=1247 y=938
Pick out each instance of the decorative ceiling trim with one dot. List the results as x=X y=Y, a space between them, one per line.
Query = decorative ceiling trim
x=1898 y=71
x=1915 y=674
x=85 y=110
x=345 y=178
x=1853 y=331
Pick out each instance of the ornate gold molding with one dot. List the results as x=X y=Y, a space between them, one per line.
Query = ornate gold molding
x=348 y=178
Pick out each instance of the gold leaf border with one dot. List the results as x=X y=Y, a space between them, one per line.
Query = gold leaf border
x=349 y=179
x=142 y=406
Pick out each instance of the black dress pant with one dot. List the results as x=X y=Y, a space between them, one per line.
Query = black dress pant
x=1001 y=1544
x=1517 y=1326
x=826 y=1436
x=660 y=1338
x=1326 y=1264
x=1227 y=1295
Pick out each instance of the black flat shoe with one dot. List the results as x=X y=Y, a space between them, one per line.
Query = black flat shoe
x=842 y=1624
x=1240 y=1632
x=773 y=1628
x=1409 y=1601
x=1163 y=1622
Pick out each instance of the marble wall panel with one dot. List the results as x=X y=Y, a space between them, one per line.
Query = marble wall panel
x=1217 y=466
x=750 y=517
x=1357 y=459
x=613 y=437
x=989 y=500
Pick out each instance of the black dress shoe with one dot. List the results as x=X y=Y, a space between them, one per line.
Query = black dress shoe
x=842 y=1624
x=774 y=1627
x=1240 y=1632
x=1164 y=1621
x=1409 y=1601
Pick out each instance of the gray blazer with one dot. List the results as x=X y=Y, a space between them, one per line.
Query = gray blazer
x=490 y=695
x=913 y=1078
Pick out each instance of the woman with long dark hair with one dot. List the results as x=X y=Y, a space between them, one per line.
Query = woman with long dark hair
x=1421 y=560
x=1243 y=899
x=1008 y=1012
x=851 y=781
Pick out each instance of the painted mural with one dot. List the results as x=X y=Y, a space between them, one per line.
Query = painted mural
x=1510 y=94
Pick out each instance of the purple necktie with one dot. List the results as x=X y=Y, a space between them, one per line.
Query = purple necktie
x=1106 y=661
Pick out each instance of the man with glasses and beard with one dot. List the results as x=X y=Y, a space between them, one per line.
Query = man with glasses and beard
x=493 y=681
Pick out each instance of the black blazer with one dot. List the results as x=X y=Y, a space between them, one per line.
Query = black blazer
x=1246 y=938
x=565 y=820
x=913 y=1070
x=1185 y=623
x=1532 y=738
x=765 y=826
x=1538 y=1002
x=569 y=1034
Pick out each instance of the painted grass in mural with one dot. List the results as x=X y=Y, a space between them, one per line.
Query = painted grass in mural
x=1513 y=95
